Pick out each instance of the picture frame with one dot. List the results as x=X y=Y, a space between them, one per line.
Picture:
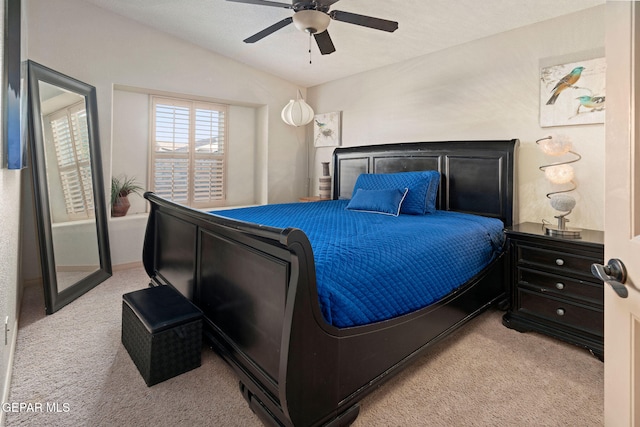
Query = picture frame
x=573 y=93
x=327 y=129
x=14 y=106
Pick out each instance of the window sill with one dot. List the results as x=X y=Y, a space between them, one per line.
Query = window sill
x=131 y=216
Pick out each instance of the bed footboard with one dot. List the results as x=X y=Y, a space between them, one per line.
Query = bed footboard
x=255 y=286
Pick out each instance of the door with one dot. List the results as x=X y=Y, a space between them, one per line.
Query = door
x=622 y=213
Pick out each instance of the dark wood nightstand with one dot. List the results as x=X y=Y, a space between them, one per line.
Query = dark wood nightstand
x=551 y=289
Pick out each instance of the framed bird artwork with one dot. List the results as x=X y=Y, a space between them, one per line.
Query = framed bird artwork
x=326 y=129
x=573 y=93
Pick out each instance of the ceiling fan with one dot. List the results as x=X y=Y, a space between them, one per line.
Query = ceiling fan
x=313 y=17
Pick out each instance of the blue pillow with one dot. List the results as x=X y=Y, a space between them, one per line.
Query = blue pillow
x=422 y=185
x=387 y=201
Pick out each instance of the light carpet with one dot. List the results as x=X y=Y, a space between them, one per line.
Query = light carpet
x=73 y=366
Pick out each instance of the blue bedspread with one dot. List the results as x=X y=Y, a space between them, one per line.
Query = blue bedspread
x=372 y=267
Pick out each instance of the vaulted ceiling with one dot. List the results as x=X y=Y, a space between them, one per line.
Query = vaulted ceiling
x=425 y=26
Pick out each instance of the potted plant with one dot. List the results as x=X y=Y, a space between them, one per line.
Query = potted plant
x=120 y=189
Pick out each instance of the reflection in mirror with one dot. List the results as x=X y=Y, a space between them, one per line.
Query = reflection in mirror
x=68 y=168
x=68 y=186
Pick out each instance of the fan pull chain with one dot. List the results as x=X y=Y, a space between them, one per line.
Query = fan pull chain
x=309 y=48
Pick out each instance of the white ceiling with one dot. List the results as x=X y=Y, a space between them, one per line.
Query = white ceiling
x=425 y=26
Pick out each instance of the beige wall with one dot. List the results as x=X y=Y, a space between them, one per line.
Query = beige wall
x=485 y=89
x=108 y=51
x=9 y=270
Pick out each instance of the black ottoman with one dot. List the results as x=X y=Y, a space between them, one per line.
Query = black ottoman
x=162 y=331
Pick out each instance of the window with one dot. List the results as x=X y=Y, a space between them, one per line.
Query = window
x=71 y=142
x=188 y=151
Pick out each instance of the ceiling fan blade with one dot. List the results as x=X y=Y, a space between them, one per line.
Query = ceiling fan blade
x=327 y=2
x=272 y=29
x=324 y=42
x=264 y=3
x=365 y=21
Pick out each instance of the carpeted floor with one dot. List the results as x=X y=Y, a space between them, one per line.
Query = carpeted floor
x=73 y=367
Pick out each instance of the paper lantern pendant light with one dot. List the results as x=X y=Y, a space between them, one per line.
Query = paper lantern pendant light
x=297 y=112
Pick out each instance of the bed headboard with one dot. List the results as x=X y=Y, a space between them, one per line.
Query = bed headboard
x=477 y=177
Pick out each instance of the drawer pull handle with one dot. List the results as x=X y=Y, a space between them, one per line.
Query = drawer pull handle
x=560 y=285
x=560 y=312
x=559 y=261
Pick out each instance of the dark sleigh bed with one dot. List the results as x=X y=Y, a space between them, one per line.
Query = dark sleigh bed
x=257 y=286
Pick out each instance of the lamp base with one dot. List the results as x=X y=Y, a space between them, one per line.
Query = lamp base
x=566 y=232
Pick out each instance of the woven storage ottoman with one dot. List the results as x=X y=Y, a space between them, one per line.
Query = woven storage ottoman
x=162 y=331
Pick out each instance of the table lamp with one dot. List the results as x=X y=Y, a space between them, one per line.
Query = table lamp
x=560 y=173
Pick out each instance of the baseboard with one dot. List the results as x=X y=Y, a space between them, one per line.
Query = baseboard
x=32 y=282
x=74 y=268
x=127 y=266
x=7 y=380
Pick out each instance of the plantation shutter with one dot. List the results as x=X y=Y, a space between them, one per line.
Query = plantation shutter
x=71 y=142
x=171 y=150
x=188 y=151
x=209 y=155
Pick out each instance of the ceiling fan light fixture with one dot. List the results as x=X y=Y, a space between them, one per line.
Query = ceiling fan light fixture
x=311 y=21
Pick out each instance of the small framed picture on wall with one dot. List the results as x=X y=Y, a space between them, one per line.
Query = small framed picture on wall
x=327 y=129
x=573 y=93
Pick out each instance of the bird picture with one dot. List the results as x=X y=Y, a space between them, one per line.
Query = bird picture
x=326 y=129
x=566 y=82
x=573 y=93
x=593 y=103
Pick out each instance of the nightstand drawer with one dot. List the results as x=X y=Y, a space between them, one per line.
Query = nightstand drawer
x=580 y=317
x=561 y=286
x=551 y=289
x=556 y=260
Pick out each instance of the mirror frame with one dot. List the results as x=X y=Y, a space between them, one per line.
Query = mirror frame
x=55 y=300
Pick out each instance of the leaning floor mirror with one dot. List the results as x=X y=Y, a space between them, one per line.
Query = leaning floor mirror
x=68 y=185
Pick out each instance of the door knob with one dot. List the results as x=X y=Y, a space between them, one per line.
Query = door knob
x=614 y=274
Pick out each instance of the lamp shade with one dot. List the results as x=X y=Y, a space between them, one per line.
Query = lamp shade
x=297 y=113
x=556 y=145
x=559 y=174
x=563 y=202
x=311 y=21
